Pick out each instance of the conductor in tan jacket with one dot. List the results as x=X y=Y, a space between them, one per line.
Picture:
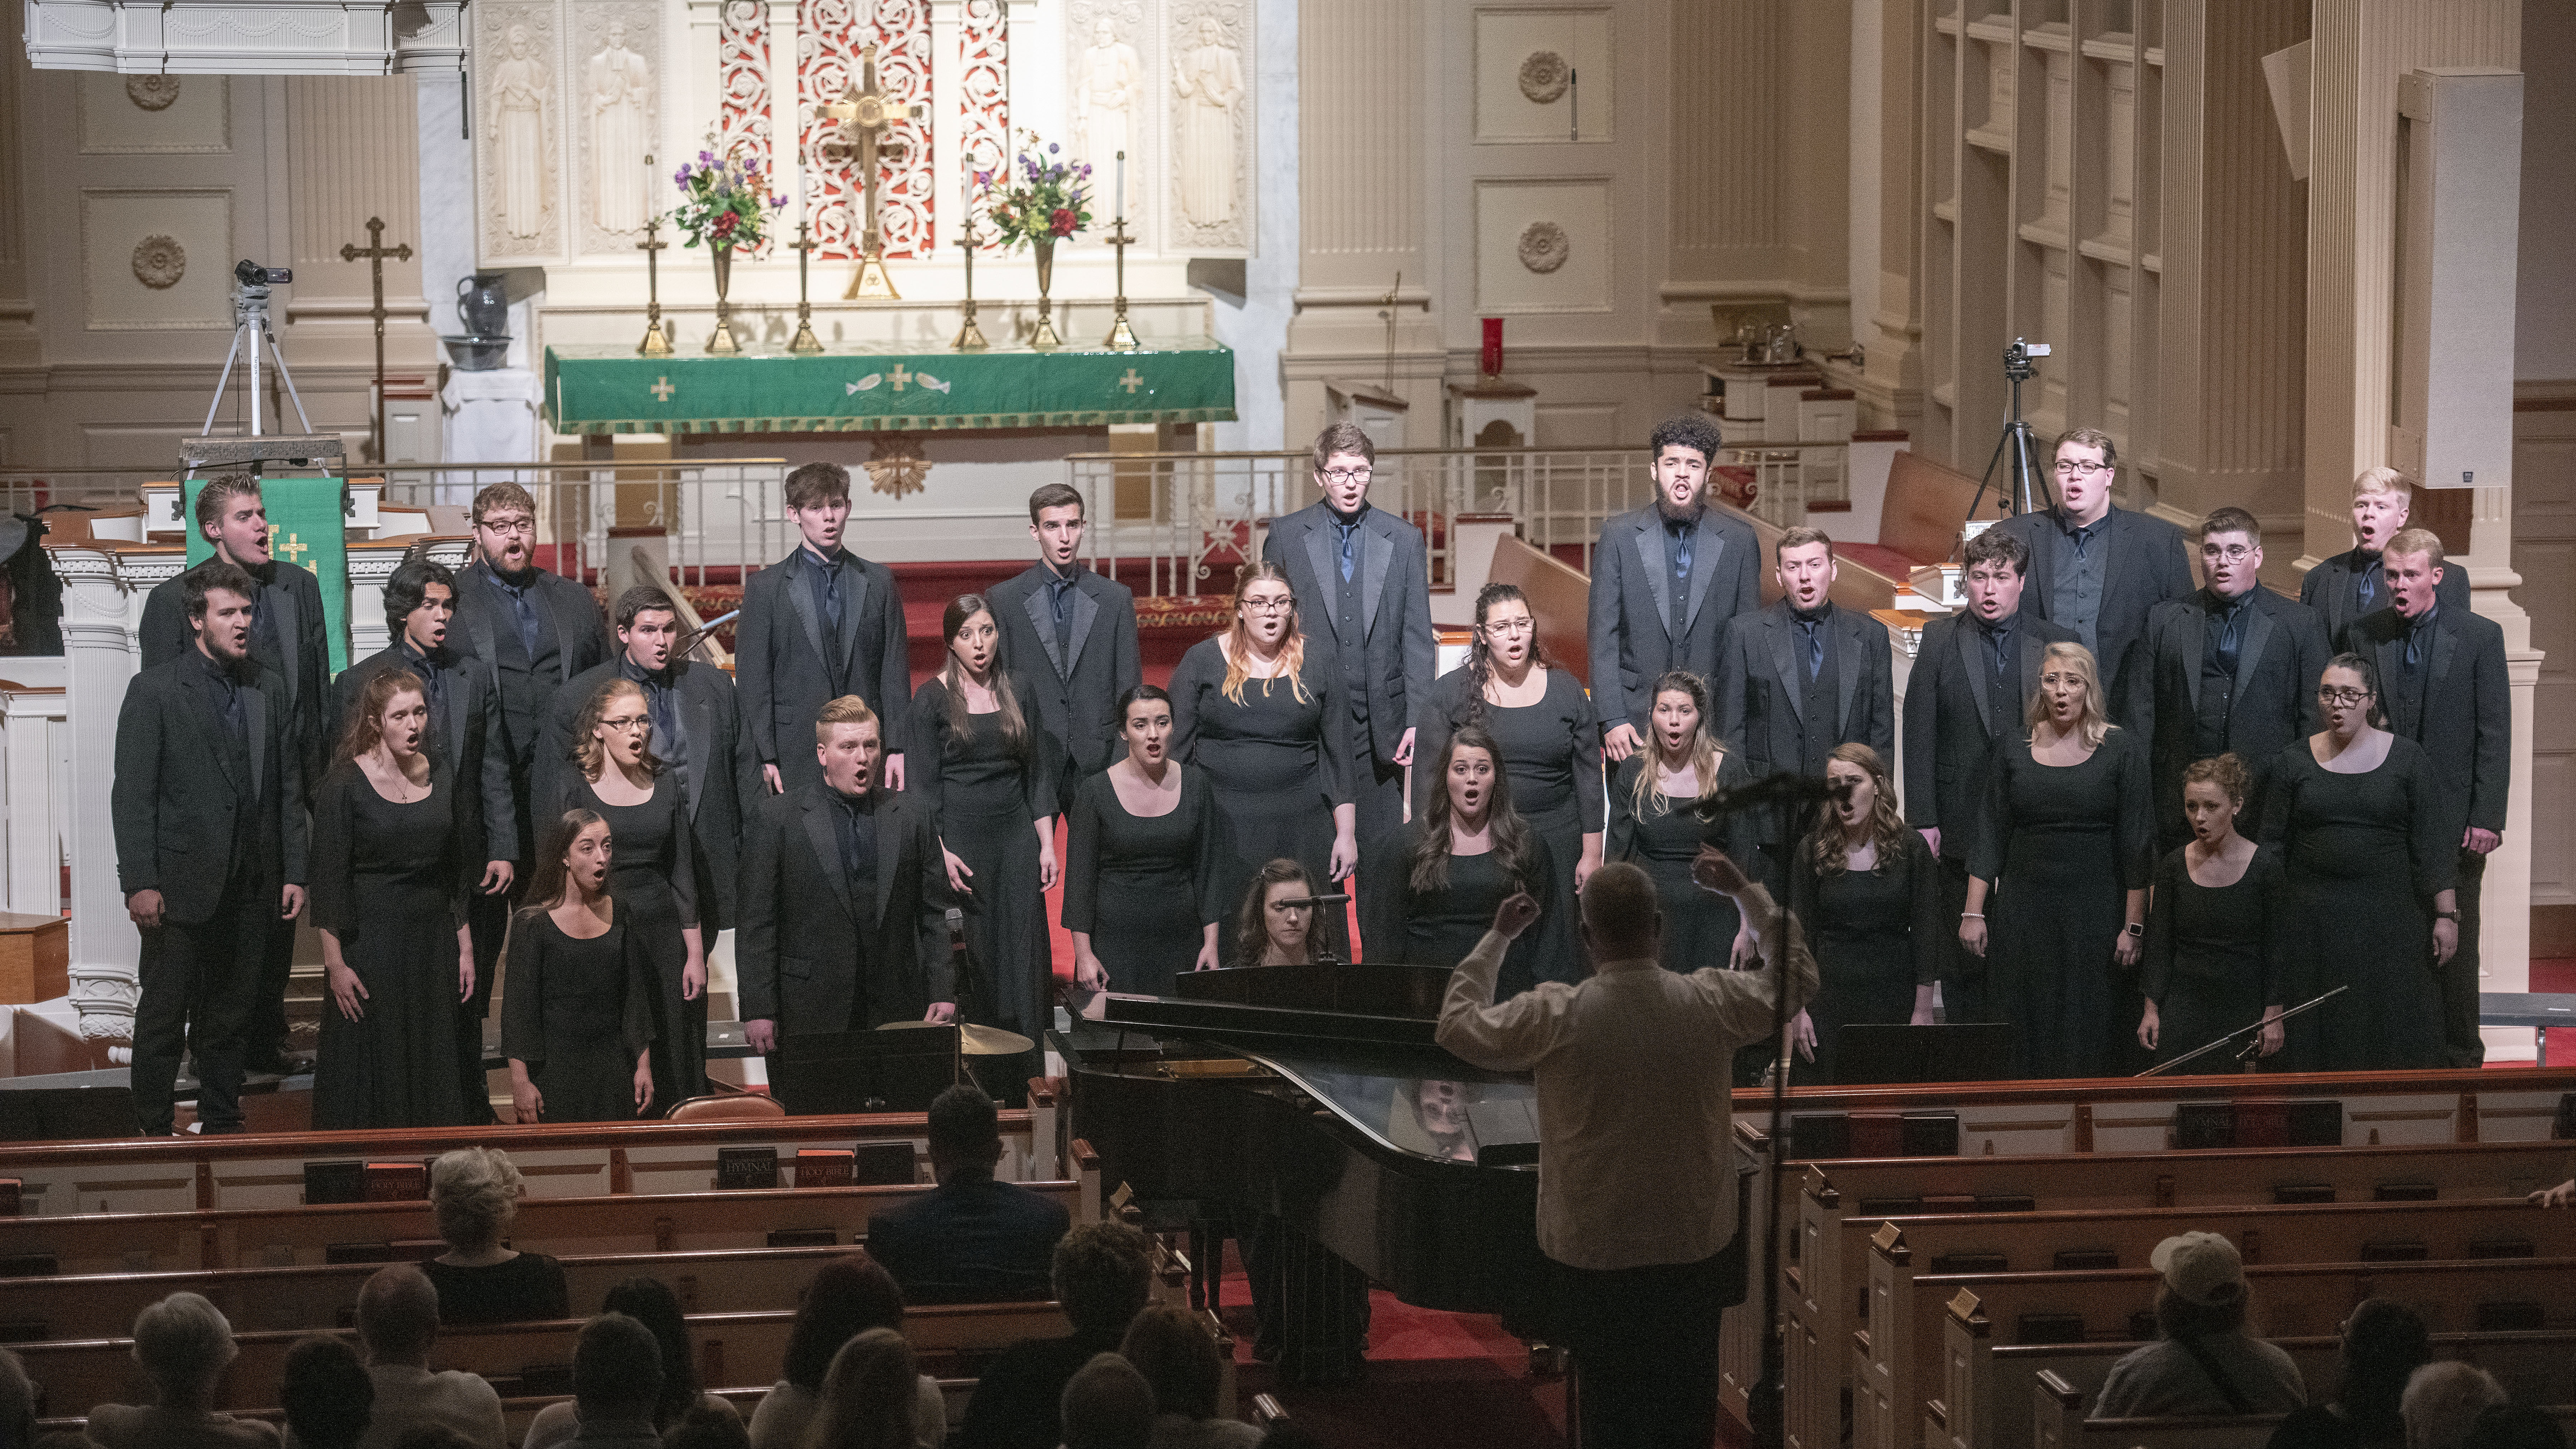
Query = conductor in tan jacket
x=1636 y=1179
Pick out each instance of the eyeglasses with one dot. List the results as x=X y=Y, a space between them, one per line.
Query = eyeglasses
x=1349 y=475
x=2327 y=695
x=2080 y=468
x=509 y=525
x=629 y=723
x=2233 y=553
x=1270 y=605
x=1509 y=627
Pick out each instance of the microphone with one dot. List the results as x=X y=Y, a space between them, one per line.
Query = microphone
x=1784 y=787
x=1335 y=899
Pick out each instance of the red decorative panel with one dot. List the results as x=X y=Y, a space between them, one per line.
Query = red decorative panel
x=830 y=36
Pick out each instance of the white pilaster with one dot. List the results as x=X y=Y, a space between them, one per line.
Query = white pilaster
x=102 y=603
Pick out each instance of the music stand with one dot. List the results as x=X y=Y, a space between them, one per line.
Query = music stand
x=865 y=1071
x=1892 y=1053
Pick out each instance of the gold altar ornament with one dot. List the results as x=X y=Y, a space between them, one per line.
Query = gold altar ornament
x=970 y=338
x=657 y=338
x=865 y=111
x=375 y=251
x=805 y=343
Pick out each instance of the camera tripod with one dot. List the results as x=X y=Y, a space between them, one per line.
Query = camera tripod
x=2027 y=491
x=250 y=321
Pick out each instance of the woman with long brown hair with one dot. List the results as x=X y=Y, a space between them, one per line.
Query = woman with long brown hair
x=1140 y=861
x=577 y=1011
x=1269 y=724
x=1653 y=827
x=391 y=869
x=1429 y=890
x=1275 y=926
x=654 y=874
x=1867 y=889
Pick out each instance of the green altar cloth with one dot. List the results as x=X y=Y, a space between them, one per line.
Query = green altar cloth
x=305 y=528
x=611 y=390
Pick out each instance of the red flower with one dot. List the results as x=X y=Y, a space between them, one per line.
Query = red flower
x=726 y=222
x=1061 y=223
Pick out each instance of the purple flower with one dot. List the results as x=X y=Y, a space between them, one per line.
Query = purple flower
x=776 y=202
x=1051 y=148
x=707 y=158
x=682 y=177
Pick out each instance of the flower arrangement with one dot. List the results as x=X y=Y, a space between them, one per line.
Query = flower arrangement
x=1047 y=201
x=722 y=201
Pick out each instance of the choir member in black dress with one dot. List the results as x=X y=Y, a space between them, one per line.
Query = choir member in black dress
x=2219 y=926
x=1652 y=827
x=1140 y=861
x=1429 y=890
x=577 y=1014
x=1540 y=717
x=653 y=873
x=1868 y=891
x=987 y=774
x=2062 y=848
x=393 y=861
x=1267 y=722
x=1274 y=926
x=2356 y=814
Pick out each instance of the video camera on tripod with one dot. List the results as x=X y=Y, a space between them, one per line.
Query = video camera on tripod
x=2027 y=489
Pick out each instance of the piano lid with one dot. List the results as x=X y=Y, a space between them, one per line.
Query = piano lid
x=1374 y=1019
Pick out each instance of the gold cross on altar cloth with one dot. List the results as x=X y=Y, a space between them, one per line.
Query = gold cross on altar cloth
x=1131 y=382
x=865 y=111
x=662 y=388
x=898 y=376
x=293 y=550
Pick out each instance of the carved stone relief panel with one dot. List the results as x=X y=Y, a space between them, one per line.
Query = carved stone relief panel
x=155 y=260
x=1543 y=246
x=615 y=116
x=1212 y=125
x=1544 y=75
x=1112 y=103
x=142 y=115
x=517 y=141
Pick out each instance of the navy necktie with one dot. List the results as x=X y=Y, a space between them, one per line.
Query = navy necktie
x=2231 y=638
x=1350 y=548
x=2415 y=645
x=1060 y=596
x=2366 y=586
x=832 y=597
x=522 y=612
x=1815 y=630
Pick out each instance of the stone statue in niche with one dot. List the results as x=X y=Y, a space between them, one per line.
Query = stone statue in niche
x=1208 y=83
x=519 y=84
x=620 y=87
x=1105 y=103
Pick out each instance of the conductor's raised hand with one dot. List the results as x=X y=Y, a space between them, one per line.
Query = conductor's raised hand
x=1713 y=871
x=1515 y=914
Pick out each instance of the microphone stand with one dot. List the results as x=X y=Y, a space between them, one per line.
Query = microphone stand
x=1324 y=946
x=2250 y=1047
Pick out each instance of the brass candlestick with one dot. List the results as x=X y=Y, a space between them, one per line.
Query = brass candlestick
x=657 y=338
x=805 y=343
x=1122 y=338
x=970 y=338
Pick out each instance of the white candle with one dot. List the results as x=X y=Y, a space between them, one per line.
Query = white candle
x=1122 y=186
x=800 y=190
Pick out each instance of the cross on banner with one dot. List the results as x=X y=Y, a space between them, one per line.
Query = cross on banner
x=293 y=549
x=1131 y=382
x=865 y=111
x=375 y=251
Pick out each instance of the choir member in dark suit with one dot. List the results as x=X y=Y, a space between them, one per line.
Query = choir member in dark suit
x=1432 y=886
x=1264 y=717
x=973 y=1240
x=843 y=906
x=654 y=871
x=2345 y=586
x=1666 y=580
x=697 y=734
x=2228 y=669
x=577 y=1020
x=1274 y=922
x=292 y=653
x=1140 y=864
x=1072 y=630
x=2097 y=569
x=1803 y=676
x=2359 y=815
x=2221 y=930
x=987 y=775
x=210 y=848
x=821 y=624
x=1540 y=718
x=2062 y=848
x=2443 y=685
x=1868 y=892
x=1361 y=576
x=394 y=857
x=1973 y=677
x=1653 y=827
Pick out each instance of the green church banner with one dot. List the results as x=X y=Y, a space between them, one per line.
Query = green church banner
x=305 y=528
x=611 y=390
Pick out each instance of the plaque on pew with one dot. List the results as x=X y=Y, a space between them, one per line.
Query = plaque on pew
x=1895 y=1053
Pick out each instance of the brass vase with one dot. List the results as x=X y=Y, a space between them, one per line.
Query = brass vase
x=721 y=343
x=1045 y=335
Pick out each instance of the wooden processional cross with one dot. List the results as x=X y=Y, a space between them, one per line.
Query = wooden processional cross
x=375 y=251
x=865 y=111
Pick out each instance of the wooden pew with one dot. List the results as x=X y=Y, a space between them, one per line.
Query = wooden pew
x=2062 y=1425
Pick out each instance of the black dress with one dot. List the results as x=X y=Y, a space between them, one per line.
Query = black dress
x=2059 y=847
x=1277 y=765
x=984 y=797
x=577 y=1012
x=1143 y=886
x=389 y=880
x=2365 y=857
x=654 y=878
x=1876 y=934
x=1552 y=755
x=526 y=1289
x=2214 y=954
x=1439 y=928
x=1699 y=926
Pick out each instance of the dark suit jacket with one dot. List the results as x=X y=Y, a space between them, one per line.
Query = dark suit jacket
x=2468 y=709
x=722 y=774
x=2277 y=664
x=1949 y=725
x=974 y=1240
x=466 y=739
x=1395 y=600
x=299 y=679
x=581 y=641
x=1076 y=697
x=797 y=949
x=779 y=662
x=1761 y=681
x=2146 y=565
x=2327 y=588
x=1633 y=638
x=176 y=800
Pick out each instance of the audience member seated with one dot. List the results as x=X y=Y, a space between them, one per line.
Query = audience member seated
x=703 y=1428
x=1179 y=1361
x=474 y=1192
x=1107 y=1405
x=397 y=1324
x=2442 y=1404
x=328 y=1397
x=616 y=1381
x=1102 y=1274
x=2203 y=1361
x=183 y=1344
x=975 y=1239
x=843 y=1299
x=2383 y=1342
x=17 y=1402
x=868 y=1395
x=2516 y=1426
x=650 y=1302
x=432 y=1436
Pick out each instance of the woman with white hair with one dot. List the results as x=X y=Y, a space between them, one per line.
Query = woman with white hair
x=2442 y=1404
x=184 y=1344
x=473 y=1193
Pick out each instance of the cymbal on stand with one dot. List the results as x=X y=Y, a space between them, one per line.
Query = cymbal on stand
x=973 y=1040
